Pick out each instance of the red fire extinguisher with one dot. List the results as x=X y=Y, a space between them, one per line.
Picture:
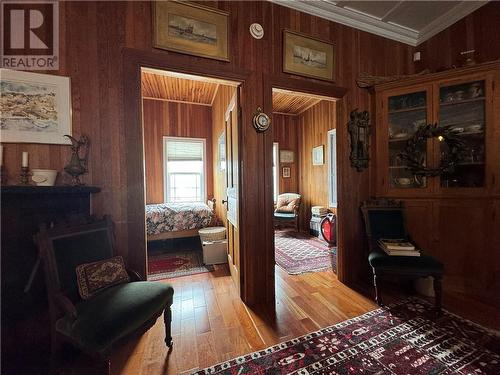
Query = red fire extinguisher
x=329 y=229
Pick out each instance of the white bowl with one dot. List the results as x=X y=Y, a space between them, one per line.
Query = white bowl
x=44 y=177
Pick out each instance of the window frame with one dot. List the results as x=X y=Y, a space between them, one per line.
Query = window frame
x=203 y=141
x=332 y=178
x=276 y=179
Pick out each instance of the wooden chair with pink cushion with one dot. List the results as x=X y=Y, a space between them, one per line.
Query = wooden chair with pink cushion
x=287 y=210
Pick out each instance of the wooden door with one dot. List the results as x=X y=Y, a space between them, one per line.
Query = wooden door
x=232 y=192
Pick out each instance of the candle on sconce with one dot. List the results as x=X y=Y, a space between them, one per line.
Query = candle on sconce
x=25 y=159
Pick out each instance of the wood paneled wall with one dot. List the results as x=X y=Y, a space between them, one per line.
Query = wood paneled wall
x=92 y=38
x=286 y=133
x=313 y=182
x=170 y=119
x=478 y=31
x=219 y=107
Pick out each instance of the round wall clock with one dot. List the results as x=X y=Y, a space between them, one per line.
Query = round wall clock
x=261 y=121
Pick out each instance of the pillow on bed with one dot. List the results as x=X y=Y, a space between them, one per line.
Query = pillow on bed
x=97 y=276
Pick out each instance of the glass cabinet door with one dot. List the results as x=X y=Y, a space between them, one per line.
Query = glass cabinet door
x=406 y=114
x=462 y=109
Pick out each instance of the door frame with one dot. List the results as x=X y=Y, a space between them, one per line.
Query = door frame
x=133 y=60
x=340 y=93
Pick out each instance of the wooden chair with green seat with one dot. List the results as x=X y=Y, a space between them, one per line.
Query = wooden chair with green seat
x=385 y=218
x=95 y=324
x=287 y=209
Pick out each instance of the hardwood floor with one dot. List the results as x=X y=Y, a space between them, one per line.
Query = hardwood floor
x=210 y=323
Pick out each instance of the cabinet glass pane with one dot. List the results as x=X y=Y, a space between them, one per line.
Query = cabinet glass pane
x=406 y=113
x=462 y=108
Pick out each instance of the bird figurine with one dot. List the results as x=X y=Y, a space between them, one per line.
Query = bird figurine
x=77 y=165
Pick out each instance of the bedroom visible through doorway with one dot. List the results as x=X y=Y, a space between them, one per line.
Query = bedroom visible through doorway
x=184 y=132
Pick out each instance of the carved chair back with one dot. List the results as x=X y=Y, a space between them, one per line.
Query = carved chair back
x=65 y=246
x=384 y=218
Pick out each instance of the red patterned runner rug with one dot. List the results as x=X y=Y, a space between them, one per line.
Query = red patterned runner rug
x=179 y=263
x=405 y=338
x=298 y=253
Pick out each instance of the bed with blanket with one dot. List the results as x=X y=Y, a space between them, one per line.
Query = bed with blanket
x=177 y=220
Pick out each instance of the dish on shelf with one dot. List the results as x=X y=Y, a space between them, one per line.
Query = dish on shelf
x=475 y=90
x=474 y=128
x=403 y=181
x=457 y=130
x=399 y=135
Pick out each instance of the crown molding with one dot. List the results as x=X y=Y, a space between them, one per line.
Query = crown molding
x=449 y=18
x=373 y=25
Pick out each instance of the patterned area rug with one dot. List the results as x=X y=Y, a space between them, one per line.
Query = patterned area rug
x=298 y=253
x=405 y=338
x=182 y=263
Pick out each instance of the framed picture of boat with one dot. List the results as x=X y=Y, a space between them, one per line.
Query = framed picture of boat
x=192 y=29
x=34 y=108
x=306 y=56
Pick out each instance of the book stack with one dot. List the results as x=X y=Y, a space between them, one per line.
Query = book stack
x=398 y=247
x=319 y=211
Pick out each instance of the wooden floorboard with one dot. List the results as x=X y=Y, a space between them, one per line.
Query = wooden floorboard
x=211 y=324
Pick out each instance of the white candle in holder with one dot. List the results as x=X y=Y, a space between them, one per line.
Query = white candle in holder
x=25 y=159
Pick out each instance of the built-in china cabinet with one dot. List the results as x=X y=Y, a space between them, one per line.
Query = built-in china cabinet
x=454 y=216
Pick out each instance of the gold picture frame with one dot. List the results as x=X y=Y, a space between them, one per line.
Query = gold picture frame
x=309 y=57
x=191 y=29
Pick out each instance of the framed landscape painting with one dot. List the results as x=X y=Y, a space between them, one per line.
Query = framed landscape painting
x=307 y=56
x=191 y=29
x=34 y=108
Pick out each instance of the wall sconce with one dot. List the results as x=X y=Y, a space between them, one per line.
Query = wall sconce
x=359 y=132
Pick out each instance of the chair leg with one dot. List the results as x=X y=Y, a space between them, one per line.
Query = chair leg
x=438 y=291
x=378 y=296
x=167 y=318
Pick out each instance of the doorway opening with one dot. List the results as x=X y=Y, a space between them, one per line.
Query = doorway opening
x=305 y=182
x=188 y=156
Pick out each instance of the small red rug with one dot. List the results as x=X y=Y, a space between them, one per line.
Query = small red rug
x=183 y=263
x=406 y=338
x=298 y=253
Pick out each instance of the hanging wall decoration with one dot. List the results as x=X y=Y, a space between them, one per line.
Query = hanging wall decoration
x=359 y=133
x=35 y=108
x=191 y=28
x=416 y=146
x=261 y=121
x=308 y=56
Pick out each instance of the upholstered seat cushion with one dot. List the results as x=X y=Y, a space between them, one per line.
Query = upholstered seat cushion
x=423 y=264
x=114 y=313
x=284 y=216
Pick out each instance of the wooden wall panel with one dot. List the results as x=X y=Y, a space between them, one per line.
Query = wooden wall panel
x=478 y=31
x=219 y=107
x=93 y=38
x=313 y=181
x=170 y=119
x=462 y=224
x=286 y=133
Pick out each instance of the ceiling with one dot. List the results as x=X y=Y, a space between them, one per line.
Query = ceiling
x=410 y=22
x=177 y=87
x=293 y=103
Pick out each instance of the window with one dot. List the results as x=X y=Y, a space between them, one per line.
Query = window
x=184 y=169
x=276 y=171
x=332 y=168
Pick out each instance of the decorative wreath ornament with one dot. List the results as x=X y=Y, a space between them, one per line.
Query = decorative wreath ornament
x=414 y=152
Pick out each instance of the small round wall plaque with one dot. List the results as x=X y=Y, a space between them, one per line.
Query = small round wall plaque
x=256 y=30
x=261 y=121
